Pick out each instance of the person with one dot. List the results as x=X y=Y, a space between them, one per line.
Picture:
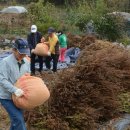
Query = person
x=12 y=68
x=63 y=45
x=43 y=40
x=33 y=39
x=53 y=53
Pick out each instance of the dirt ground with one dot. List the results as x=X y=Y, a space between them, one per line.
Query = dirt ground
x=4 y=121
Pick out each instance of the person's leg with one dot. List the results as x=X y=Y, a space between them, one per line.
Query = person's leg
x=40 y=59
x=47 y=62
x=15 y=114
x=60 y=53
x=55 y=58
x=33 y=63
x=63 y=54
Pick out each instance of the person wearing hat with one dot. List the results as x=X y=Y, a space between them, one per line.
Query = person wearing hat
x=53 y=53
x=63 y=45
x=12 y=68
x=33 y=39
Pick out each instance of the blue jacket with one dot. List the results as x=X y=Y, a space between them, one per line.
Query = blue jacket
x=10 y=73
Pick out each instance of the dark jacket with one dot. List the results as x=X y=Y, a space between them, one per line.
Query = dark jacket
x=57 y=48
x=34 y=39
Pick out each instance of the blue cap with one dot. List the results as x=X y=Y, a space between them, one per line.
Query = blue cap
x=22 y=46
x=51 y=30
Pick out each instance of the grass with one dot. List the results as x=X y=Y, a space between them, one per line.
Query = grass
x=4 y=120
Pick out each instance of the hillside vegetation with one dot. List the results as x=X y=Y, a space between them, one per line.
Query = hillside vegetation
x=70 y=16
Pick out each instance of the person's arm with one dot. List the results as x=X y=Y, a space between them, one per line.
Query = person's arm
x=4 y=75
x=29 y=41
x=46 y=43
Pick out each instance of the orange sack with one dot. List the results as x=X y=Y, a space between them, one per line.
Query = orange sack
x=41 y=49
x=35 y=92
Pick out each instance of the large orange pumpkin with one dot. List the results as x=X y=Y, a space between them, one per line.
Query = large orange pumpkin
x=35 y=92
x=41 y=49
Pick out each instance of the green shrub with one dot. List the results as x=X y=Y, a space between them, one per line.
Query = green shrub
x=125 y=102
x=109 y=27
x=43 y=27
x=42 y=15
x=80 y=15
x=82 y=22
x=125 y=40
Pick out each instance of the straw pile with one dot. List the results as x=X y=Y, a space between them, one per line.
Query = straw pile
x=87 y=95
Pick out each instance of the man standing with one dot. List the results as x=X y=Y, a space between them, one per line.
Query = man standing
x=53 y=53
x=11 y=69
x=33 y=39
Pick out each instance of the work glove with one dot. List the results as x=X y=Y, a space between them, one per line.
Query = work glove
x=19 y=92
x=32 y=51
x=48 y=53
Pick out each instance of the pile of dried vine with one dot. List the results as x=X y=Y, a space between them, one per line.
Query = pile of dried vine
x=87 y=95
x=80 y=41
